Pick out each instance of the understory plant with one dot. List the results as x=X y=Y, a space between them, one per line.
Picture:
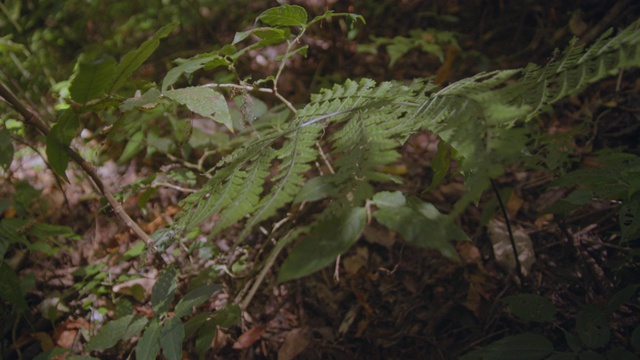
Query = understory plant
x=305 y=175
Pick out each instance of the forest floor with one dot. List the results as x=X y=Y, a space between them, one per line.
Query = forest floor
x=384 y=299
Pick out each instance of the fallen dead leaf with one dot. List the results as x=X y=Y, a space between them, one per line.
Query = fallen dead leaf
x=514 y=204
x=249 y=337
x=294 y=343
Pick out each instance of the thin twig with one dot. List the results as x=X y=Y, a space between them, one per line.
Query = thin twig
x=508 y=223
x=31 y=117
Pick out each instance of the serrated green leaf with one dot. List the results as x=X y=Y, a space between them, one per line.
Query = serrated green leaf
x=148 y=100
x=521 y=347
x=195 y=298
x=132 y=60
x=149 y=344
x=164 y=290
x=284 y=15
x=190 y=66
x=204 y=101
x=326 y=241
x=6 y=149
x=109 y=334
x=58 y=142
x=171 y=336
x=92 y=80
x=592 y=325
x=531 y=307
x=10 y=289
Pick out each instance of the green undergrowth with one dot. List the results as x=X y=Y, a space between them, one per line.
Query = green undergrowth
x=256 y=165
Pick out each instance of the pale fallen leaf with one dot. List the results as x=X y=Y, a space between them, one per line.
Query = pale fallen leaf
x=503 y=250
x=249 y=337
x=294 y=343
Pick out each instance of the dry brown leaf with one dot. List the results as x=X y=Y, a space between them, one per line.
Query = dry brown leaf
x=45 y=340
x=514 y=204
x=294 y=343
x=353 y=263
x=249 y=337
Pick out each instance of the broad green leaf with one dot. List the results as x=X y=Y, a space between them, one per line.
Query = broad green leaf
x=228 y=316
x=110 y=334
x=58 y=142
x=268 y=36
x=10 y=289
x=418 y=222
x=521 y=347
x=204 y=101
x=9 y=234
x=386 y=199
x=620 y=298
x=171 y=336
x=132 y=60
x=148 y=100
x=134 y=145
x=6 y=149
x=149 y=344
x=135 y=327
x=195 y=322
x=164 y=290
x=630 y=218
x=205 y=337
x=326 y=241
x=92 y=80
x=284 y=15
x=46 y=231
x=271 y=36
x=620 y=353
x=135 y=250
x=592 y=355
x=634 y=339
x=315 y=189
x=301 y=50
x=531 y=307
x=573 y=341
x=195 y=298
x=563 y=356
x=593 y=327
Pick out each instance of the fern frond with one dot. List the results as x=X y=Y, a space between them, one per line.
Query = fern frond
x=476 y=116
